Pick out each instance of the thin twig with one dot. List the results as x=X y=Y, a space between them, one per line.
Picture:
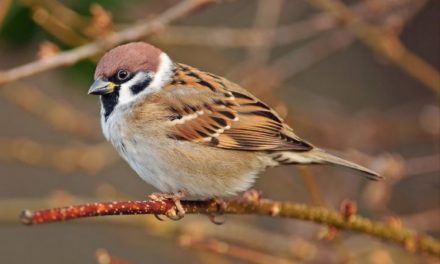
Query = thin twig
x=226 y=37
x=89 y=158
x=426 y=221
x=4 y=7
x=385 y=43
x=423 y=164
x=403 y=237
x=311 y=186
x=134 y=32
x=267 y=16
x=57 y=27
x=239 y=252
x=250 y=236
x=104 y=257
x=53 y=111
x=300 y=59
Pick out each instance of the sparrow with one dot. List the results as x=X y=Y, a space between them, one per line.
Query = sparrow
x=190 y=132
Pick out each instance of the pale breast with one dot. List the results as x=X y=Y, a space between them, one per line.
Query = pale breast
x=171 y=165
x=137 y=146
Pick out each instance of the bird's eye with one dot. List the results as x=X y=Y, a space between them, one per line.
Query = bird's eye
x=123 y=75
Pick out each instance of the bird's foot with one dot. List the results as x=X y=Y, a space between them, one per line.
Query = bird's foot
x=175 y=213
x=221 y=207
x=252 y=196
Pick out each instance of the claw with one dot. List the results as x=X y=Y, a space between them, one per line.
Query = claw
x=158 y=217
x=221 y=206
x=176 y=213
x=212 y=218
x=180 y=211
x=173 y=214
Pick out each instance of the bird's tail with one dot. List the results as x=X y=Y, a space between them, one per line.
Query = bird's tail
x=319 y=156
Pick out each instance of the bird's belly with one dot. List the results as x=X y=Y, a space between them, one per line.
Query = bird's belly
x=143 y=159
x=169 y=167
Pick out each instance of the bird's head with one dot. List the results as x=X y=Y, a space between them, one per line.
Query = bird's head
x=128 y=72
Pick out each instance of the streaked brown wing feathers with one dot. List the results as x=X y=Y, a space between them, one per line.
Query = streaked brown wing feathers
x=211 y=110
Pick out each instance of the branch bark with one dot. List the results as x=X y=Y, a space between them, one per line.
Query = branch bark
x=132 y=33
x=408 y=239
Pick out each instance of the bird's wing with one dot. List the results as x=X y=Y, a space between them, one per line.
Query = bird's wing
x=207 y=109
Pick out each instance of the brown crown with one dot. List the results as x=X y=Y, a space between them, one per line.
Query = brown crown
x=132 y=57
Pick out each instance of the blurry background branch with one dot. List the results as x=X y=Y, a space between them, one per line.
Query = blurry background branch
x=134 y=32
x=89 y=158
x=237 y=251
x=273 y=36
x=386 y=43
x=256 y=39
x=104 y=257
x=4 y=7
x=59 y=114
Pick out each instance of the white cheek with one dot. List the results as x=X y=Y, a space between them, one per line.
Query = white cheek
x=125 y=94
x=159 y=80
x=163 y=74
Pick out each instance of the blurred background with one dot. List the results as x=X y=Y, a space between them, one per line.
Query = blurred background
x=339 y=86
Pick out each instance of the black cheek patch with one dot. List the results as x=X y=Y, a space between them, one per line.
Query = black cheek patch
x=140 y=86
x=109 y=101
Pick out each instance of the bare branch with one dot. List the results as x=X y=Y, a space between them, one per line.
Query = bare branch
x=383 y=42
x=132 y=33
x=226 y=37
x=89 y=158
x=395 y=234
x=300 y=59
x=4 y=7
x=267 y=17
x=236 y=251
x=104 y=257
x=53 y=111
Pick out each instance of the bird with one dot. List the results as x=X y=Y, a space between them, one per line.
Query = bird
x=189 y=132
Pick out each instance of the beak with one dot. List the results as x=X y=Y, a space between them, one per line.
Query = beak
x=102 y=86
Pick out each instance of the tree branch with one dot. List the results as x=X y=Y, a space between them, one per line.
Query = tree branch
x=386 y=44
x=239 y=252
x=90 y=158
x=408 y=239
x=227 y=37
x=132 y=33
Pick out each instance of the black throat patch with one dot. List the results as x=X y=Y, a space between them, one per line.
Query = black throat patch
x=109 y=102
